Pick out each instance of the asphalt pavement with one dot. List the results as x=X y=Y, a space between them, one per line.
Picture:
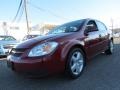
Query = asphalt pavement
x=101 y=73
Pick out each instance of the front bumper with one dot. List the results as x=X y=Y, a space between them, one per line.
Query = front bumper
x=34 y=66
x=27 y=66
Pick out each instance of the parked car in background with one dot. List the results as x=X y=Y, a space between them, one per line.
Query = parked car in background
x=29 y=37
x=2 y=52
x=66 y=48
x=116 y=35
x=6 y=43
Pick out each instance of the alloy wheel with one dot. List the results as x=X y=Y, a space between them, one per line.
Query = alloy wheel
x=77 y=62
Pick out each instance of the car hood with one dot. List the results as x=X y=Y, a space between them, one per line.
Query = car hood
x=8 y=42
x=32 y=42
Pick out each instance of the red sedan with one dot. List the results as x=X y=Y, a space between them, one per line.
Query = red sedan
x=66 y=48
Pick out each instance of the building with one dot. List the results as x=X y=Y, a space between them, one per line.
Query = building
x=116 y=30
x=19 y=30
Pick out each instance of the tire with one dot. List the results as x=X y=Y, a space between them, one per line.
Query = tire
x=75 y=63
x=109 y=51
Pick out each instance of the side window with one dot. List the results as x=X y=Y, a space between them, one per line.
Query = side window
x=12 y=38
x=91 y=26
x=101 y=26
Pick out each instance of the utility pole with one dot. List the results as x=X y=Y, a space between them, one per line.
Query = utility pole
x=112 y=25
x=28 y=29
x=5 y=28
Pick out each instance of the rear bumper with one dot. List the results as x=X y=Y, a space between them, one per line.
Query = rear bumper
x=7 y=51
x=2 y=54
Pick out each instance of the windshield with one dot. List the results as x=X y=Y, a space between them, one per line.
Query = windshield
x=68 y=27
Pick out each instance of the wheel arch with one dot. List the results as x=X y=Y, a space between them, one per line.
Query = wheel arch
x=76 y=46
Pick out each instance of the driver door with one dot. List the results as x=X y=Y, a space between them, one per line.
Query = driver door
x=92 y=39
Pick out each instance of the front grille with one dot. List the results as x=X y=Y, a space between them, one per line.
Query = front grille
x=17 y=52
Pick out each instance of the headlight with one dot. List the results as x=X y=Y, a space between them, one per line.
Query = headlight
x=43 y=49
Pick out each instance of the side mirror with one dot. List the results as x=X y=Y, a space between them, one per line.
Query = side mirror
x=90 y=28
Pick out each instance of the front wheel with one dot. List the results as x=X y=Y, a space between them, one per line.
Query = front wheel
x=109 y=51
x=75 y=63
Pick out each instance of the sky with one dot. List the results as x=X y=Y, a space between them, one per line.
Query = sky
x=61 y=11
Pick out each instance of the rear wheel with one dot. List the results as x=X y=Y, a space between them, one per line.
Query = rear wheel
x=75 y=63
x=109 y=51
